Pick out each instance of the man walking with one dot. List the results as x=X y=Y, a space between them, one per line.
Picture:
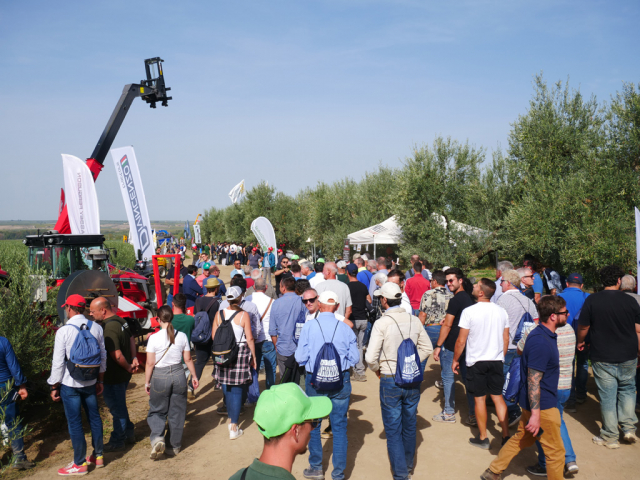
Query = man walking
x=516 y=306
x=190 y=286
x=364 y=275
x=443 y=350
x=183 y=323
x=268 y=264
x=613 y=319
x=76 y=394
x=399 y=405
x=120 y=366
x=383 y=265
x=359 y=298
x=209 y=303
x=314 y=334
x=332 y=284
x=540 y=420
x=484 y=331
x=264 y=303
x=415 y=287
x=285 y=312
x=11 y=374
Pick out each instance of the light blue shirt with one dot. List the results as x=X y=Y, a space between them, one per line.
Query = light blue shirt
x=285 y=312
x=319 y=331
x=235 y=272
x=372 y=285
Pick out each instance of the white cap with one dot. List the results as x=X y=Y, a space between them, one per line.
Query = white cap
x=328 y=298
x=234 y=292
x=341 y=264
x=365 y=257
x=389 y=290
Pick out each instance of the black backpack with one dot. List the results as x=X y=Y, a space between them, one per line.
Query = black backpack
x=225 y=348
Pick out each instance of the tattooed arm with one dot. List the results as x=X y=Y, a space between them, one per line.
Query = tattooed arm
x=533 y=392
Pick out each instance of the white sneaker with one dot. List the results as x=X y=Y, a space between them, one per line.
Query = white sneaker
x=630 y=437
x=439 y=384
x=233 y=434
x=157 y=450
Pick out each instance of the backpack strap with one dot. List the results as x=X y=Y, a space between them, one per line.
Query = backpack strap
x=265 y=312
x=244 y=474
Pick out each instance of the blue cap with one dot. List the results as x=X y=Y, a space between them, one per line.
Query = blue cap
x=575 y=278
x=352 y=268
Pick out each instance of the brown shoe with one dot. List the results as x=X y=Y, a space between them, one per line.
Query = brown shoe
x=489 y=475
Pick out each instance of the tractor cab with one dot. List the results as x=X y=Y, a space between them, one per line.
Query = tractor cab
x=61 y=255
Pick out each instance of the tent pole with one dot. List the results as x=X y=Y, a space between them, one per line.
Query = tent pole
x=374 y=247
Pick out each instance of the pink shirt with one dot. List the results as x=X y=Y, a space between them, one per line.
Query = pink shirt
x=200 y=278
x=415 y=288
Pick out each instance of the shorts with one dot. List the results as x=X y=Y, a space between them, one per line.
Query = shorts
x=485 y=377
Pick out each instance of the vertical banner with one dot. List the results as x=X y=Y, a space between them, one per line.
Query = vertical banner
x=637 y=245
x=135 y=202
x=263 y=230
x=346 y=255
x=81 y=197
x=196 y=234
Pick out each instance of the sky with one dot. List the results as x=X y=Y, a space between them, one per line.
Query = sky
x=289 y=92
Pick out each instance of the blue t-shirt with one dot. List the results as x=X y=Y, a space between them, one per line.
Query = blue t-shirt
x=541 y=353
x=537 y=284
x=575 y=300
x=311 y=275
x=365 y=277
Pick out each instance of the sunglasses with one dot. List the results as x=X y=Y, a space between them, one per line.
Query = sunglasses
x=314 y=423
x=566 y=312
x=527 y=276
x=309 y=300
x=450 y=280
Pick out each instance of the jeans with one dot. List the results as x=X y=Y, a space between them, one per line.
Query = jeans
x=11 y=413
x=367 y=334
x=167 y=401
x=115 y=397
x=234 y=398
x=203 y=353
x=513 y=410
x=579 y=382
x=637 y=388
x=617 y=389
x=359 y=328
x=338 y=419
x=74 y=400
x=399 y=407
x=569 y=454
x=270 y=362
x=449 y=383
x=433 y=331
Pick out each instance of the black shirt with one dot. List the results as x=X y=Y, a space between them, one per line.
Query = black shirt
x=459 y=302
x=183 y=273
x=358 y=300
x=612 y=316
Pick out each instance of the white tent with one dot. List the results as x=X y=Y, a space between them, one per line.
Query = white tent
x=387 y=232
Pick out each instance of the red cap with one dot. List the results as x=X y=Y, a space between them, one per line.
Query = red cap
x=75 y=300
x=270 y=249
x=255 y=250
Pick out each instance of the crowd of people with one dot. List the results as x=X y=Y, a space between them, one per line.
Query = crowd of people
x=524 y=339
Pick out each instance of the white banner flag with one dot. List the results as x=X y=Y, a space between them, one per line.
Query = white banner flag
x=236 y=192
x=196 y=234
x=81 y=197
x=263 y=230
x=134 y=200
x=637 y=245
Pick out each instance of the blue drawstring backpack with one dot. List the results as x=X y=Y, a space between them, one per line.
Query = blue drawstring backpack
x=408 y=371
x=327 y=372
x=300 y=321
x=513 y=378
x=84 y=358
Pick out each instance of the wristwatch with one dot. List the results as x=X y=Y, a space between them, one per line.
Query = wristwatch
x=53 y=388
x=439 y=346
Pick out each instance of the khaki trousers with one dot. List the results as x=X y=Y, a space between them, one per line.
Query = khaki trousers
x=550 y=439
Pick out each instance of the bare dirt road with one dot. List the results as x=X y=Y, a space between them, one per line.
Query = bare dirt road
x=443 y=451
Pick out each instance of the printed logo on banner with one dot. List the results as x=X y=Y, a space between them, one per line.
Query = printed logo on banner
x=126 y=179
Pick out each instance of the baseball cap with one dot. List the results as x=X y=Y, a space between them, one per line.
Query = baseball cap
x=206 y=266
x=365 y=257
x=75 y=300
x=295 y=257
x=234 y=292
x=286 y=405
x=271 y=249
x=279 y=250
x=575 y=278
x=326 y=297
x=320 y=260
x=352 y=268
x=212 y=282
x=341 y=264
x=389 y=290
x=356 y=255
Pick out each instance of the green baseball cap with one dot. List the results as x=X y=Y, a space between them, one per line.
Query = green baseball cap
x=206 y=266
x=320 y=260
x=283 y=406
x=295 y=257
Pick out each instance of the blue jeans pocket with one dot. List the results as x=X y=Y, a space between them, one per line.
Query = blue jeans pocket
x=390 y=397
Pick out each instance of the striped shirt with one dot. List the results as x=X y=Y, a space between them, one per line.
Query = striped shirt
x=566 y=349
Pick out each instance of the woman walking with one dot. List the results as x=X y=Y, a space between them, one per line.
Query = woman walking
x=235 y=380
x=166 y=384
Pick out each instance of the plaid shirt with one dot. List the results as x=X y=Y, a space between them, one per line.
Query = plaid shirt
x=240 y=373
x=434 y=303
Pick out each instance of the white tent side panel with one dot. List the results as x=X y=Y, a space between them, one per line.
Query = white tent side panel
x=387 y=232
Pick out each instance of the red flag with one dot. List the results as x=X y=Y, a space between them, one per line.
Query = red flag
x=61 y=201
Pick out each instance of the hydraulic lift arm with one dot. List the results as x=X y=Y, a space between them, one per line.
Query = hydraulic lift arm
x=151 y=90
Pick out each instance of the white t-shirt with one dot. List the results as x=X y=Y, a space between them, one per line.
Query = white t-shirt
x=486 y=323
x=159 y=342
x=262 y=302
x=311 y=316
x=340 y=289
x=318 y=277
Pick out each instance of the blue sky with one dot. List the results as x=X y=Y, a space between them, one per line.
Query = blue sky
x=292 y=92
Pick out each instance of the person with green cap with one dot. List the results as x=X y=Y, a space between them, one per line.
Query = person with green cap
x=202 y=278
x=285 y=416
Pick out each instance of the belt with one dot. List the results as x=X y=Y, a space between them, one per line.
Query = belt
x=387 y=376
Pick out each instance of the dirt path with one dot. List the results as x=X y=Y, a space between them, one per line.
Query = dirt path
x=443 y=451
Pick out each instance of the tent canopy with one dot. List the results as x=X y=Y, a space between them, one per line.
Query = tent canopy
x=387 y=232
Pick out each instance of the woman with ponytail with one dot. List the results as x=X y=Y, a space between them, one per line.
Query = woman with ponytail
x=166 y=384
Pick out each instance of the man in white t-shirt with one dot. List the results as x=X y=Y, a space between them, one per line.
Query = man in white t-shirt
x=332 y=284
x=268 y=350
x=484 y=331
